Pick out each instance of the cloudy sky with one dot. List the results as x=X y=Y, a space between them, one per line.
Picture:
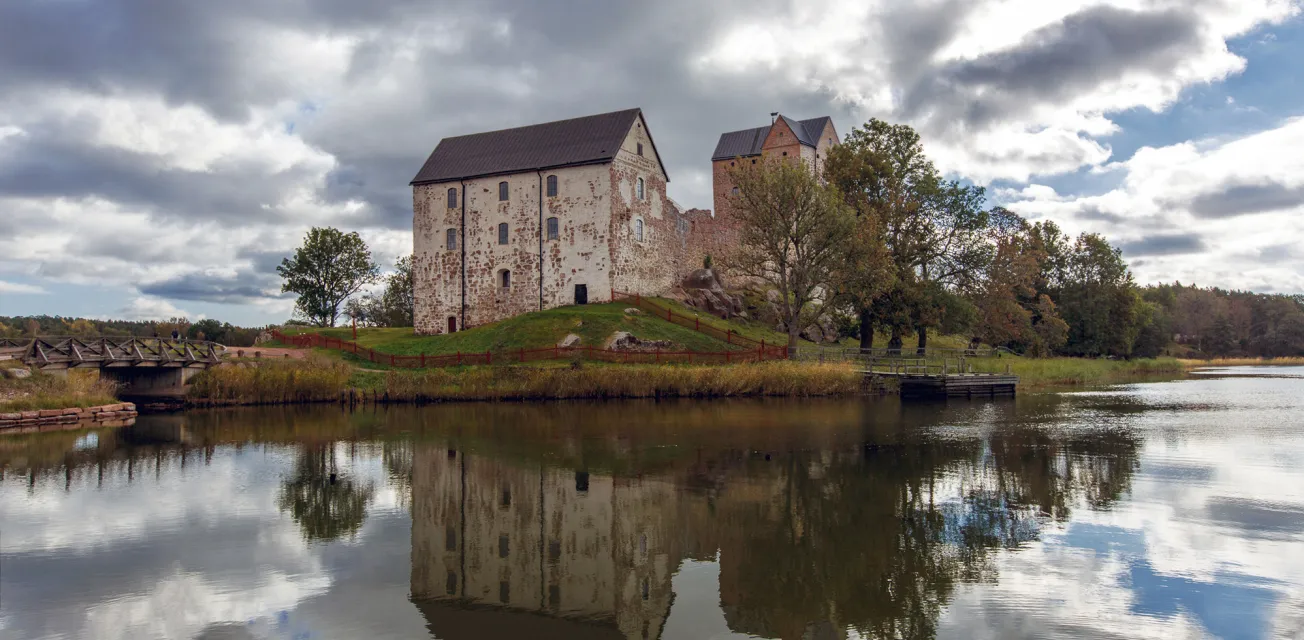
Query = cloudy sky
x=159 y=157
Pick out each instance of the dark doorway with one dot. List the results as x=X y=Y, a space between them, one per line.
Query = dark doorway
x=452 y=324
x=581 y=294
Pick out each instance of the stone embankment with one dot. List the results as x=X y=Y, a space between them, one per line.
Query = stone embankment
x=109 y=415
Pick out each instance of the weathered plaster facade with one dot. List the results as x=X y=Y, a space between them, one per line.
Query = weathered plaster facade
x=598 y=208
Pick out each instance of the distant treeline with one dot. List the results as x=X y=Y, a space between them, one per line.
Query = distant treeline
x=208 y=329
x=1217 y=322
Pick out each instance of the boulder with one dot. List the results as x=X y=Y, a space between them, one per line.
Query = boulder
x=263 y=338
x=826 y=330
x=571 y=340
x=16 y=374
x=632 y=311
x=625 y=341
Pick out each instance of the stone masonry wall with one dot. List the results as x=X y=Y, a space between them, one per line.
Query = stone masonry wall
x=645 y=266
x=580 y=255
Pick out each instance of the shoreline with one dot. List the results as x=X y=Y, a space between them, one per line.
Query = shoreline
x=120 y=414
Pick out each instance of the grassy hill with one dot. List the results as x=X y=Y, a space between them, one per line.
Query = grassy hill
x=593 y=323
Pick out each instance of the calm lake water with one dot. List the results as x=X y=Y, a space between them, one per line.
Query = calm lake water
x=1157 y=510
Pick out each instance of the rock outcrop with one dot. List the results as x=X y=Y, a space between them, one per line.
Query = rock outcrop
x=703 y=290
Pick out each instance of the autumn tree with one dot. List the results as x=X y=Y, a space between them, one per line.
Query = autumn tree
x=326 y=270
x=793 y=235
x=394 y=306
x=1012 y=311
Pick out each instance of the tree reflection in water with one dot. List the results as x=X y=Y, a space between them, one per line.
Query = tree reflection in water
x=326 y=504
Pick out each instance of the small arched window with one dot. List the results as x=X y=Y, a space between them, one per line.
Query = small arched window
x=784 y=153
x=450 y=239
x=638 y=229
x=505 y=279
x=552 y=186
x=552 y=229
x=640 y=148
x=502 y=191
x=502 y=233
x=640 y=189
x=452 y=198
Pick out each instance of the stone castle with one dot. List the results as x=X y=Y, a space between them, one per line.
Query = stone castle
x=570 y=212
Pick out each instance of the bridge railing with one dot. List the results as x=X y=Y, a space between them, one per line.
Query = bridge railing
x=73 y=351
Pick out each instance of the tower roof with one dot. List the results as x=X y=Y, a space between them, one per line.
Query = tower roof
x=748 y=141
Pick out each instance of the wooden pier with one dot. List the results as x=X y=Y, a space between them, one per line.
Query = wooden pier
x=944 y=378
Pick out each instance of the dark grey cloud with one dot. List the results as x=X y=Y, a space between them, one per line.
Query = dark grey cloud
x=1094 y=46
x=241 y=287
x=1238 y=199
x=463 y=66
x=1164 y=245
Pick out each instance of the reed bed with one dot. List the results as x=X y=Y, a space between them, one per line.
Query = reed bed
x=80 y=388
x=314 y=380
x=633 y=381
x=1059 y=372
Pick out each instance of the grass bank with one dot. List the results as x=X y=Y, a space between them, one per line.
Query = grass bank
x=1242 y=362
x=1040 y=373
x=318 y=379
x=79 y=389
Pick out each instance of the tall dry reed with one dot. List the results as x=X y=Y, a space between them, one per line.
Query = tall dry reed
x=272 y=382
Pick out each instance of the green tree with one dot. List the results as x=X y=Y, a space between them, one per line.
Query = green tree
x=793 y=233
x=1098 y=299
x=936 y=232
x=394 y=307
x=330 y=267
x=210 y=329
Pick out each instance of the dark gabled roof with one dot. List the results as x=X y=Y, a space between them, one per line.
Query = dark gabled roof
x=564 y=143
x=748 y=141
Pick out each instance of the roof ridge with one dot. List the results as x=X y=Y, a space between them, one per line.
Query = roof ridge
x=544 y=124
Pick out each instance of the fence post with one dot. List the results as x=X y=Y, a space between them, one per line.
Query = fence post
x=728 y=337
x=391 y=359
x=658 y=360
x=488 y=357
x=423 y=359
x=669 y=315
x=522 y=354
x=459 y=357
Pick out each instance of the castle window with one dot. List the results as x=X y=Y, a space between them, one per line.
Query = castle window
x=785 y=153
x=753 y=161
x=450 y=585
x=638 y=230
x=640 y=188
x=502 y=191
x=552 y=186
x=552 y=229
x=505 y=279
x=735 y=191
x=503 y=546
x=450 y=538
x=450 y=239
x=502 y=233
x=640 y=148
x=504 y=592
x=452 y=198
x=506 y=500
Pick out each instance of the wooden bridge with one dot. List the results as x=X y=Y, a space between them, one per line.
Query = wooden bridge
x=143 y=367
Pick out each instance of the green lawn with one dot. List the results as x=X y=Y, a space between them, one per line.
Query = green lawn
x=593 y=323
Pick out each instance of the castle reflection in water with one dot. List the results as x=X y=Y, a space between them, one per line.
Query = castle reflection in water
x=810 y=543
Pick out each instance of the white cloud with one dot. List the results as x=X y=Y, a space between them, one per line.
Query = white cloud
x=145 y=308
x=18 y=287
x=1239 y=197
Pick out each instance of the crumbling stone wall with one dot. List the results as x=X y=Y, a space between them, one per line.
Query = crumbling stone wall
x=645 y=266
